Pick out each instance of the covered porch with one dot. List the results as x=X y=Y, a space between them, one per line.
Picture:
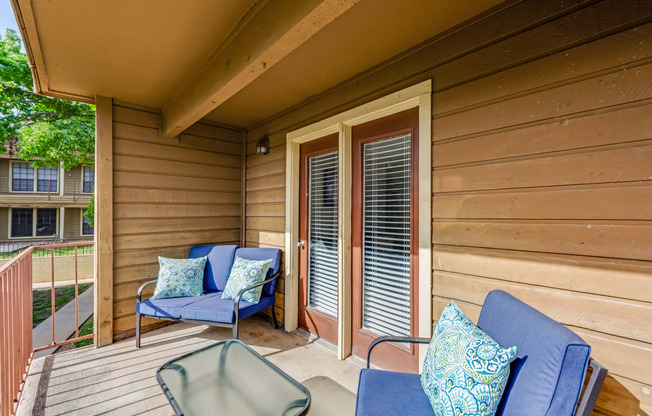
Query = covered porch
x=532 y=151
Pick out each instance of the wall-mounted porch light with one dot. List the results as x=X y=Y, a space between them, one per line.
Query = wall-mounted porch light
x=262 y=146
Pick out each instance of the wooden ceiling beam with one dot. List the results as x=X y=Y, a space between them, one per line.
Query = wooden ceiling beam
x=270 y=31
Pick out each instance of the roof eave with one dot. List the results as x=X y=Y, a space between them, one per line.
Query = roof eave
x=29 y=33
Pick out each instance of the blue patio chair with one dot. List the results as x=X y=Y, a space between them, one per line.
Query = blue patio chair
x=210 y=308
x=545 y=379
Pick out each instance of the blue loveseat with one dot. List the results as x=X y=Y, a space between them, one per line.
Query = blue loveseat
x=210 y=308
x=546 y=378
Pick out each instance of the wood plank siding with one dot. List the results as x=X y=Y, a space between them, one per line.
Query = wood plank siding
x=168 y=195
x=542 y=168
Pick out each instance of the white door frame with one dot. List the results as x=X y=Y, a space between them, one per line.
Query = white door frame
x=419 y=95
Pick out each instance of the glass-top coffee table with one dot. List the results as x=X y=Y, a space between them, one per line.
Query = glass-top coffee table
x=229 y=378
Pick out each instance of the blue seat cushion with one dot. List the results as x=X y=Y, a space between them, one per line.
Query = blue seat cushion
x=208 y=307
x=548 y=373
x=264 y=254
x=218 y=265
x=390 y=393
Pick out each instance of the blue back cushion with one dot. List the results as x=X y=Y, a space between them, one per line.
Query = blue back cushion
x=264 y=254
x=218 y=266
x=548 y=374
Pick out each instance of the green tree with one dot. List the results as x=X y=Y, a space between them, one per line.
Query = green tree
x=90 y=212
x=46 y=131
x=43 y=130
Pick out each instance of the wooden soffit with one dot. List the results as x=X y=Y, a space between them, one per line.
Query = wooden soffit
x=236 y=62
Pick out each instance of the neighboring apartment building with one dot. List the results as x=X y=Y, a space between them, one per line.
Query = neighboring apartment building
x=43 y=203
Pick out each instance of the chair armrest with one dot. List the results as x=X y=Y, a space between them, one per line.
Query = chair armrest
x=236 y=301
x=410 y=340
x=140 y=290
x=593 y=387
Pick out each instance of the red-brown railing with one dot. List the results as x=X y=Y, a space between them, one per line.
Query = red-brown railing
x=54 y=343
x=15 y=328
x=16 y=348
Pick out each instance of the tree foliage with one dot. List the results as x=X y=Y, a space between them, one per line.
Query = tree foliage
x=90 y=212
x=46 y=131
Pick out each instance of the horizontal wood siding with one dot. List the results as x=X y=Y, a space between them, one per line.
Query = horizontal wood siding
x=168 y=195
x=5 y=165
x=73 y=181
x=4 y=223
x=72 y=223
x=265 y=207
x=542 y=168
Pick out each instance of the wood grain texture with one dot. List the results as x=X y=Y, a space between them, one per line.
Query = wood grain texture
x=103 y=308
x=601 y=239
x=592 y=312
x=624 y=163
x=169 y=194
x=561 y=68
x=541 y=152
x=583 y=130
x=583 y=274
x=628 y=201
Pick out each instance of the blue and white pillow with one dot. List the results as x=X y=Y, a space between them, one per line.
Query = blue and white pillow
x=465 y=371
x=245 y=273
x=180 y=277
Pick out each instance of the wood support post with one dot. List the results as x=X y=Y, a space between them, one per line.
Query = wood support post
x=103 y=221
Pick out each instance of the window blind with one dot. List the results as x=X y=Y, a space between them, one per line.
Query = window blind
x=322 y=231
x=22 y=177
x=89 y=179
x=47 y=179
x=386 y=236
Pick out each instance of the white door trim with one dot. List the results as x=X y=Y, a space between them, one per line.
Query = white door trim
x=419 y=95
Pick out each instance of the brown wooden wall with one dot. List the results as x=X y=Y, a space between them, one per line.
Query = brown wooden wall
x=265 y=207
x=168 y=195
x=542 y=160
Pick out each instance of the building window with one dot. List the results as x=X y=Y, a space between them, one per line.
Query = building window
x=47 y=179
x=22 y=222
x=89 y=179
x=22 y=177
x=86 y=227
x=46 y=222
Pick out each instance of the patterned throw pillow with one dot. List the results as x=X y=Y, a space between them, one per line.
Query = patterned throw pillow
x=245 y=273
x=465 y=371
x=180 y=277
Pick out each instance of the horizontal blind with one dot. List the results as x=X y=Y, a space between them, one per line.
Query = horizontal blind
x=322 y=231
x=386 y=236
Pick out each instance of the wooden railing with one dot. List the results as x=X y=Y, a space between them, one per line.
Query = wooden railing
x=15 y=329
x=16 y=348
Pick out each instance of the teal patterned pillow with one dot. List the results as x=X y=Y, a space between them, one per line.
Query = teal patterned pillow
x=245 y=273
x=465 y=371
x=180 y=277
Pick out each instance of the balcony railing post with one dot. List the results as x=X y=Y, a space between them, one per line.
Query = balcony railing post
x=30 y=313
x=4 y=374
x=51 y=247
x=16 y=321
x=12 y=338
x=76 y=297
x=52 y=295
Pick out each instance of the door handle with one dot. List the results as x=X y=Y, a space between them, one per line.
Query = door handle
x=301 y=243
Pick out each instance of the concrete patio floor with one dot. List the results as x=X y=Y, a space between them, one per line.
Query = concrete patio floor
x=120 y=379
